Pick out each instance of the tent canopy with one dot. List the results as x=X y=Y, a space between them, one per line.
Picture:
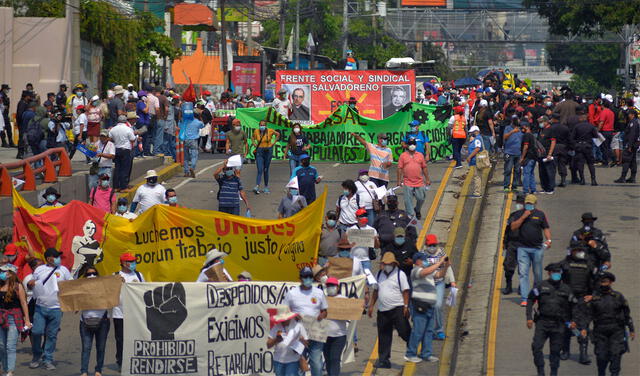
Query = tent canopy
x=466 y=81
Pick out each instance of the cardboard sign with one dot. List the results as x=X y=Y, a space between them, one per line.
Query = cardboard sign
x=90 y=293
x=216 y=274
x=340 y=267
x=362 y=237
x=344 y=308
x=316 y=330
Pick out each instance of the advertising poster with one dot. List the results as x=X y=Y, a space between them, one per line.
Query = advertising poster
x=245 y=76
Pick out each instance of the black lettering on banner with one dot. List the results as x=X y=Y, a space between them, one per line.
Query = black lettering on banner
x=163 y=357
x=237 y=295
x=235 y=328
x=239 y=363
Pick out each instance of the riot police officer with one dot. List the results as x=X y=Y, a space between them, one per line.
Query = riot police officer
x=554 y=300
x=581 y=139
x=388 y=220
x=510 y=247
x=609 y=311
x=593 y=238
x=578 y=272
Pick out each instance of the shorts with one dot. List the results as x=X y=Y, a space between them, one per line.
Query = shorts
x=616 y=141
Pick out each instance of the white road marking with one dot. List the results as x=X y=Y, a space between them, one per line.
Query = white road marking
x=197 y=174
x=336 y=164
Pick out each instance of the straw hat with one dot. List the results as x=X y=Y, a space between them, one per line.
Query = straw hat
x=389 y=258
x=212 y=255
x=284 y=315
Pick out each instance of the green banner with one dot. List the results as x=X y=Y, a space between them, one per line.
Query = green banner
x=331 y=140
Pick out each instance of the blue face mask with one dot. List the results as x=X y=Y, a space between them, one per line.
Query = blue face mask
x=229 y=172
x=383 y=142
x=294 y=192
x=529 y=207
x=51 y=198
x=3 y=276
x=331 y=222
x=132 y=266
x=414 y=129
x=346 y=192
x=173 y=199
x=399 y=240
x=344 y=253
x=122 y=208
x=263 y=128
x=556 y=276
x=57 y=261
x=307 y=282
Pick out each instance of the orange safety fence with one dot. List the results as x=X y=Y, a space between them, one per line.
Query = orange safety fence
x=29 y=173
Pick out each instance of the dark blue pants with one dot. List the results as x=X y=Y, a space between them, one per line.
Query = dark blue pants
x=122 y=161
x=457 y=147
x=87 y=337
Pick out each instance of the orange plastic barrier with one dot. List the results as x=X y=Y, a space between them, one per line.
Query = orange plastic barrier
x=179 y=149
x=63 y=163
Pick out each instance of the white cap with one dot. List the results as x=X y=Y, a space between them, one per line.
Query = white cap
x=484 y=103
x=234 y=161
x=609 y=97
x=474 y=129
x=293 y=183
x=95 y=98
x=151 y=174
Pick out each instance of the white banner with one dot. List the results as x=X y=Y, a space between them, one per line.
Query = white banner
x=210 y=329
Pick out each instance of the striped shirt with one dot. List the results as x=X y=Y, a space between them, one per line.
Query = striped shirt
x=435 y=258
x=229 y=194
x=379 y=155
x=424 y=288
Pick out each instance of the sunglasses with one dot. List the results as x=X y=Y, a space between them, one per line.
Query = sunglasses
x=91 y=275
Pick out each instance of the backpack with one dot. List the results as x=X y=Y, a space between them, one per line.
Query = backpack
x=34 y=130
x=539 y=150
x=92 y=194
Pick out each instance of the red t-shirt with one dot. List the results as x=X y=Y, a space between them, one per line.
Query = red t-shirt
x=607 y=117
x=412 y=165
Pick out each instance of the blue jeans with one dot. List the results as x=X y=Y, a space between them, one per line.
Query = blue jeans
x=486 y=140
x=457 y=148
x=8 y=342
x=422 y=332
x=371 y=216
x=293 y=163
x=438 y=326
x=529 y=257
x=46 y=321
x=528 y=176
x=315 y=357
x=332 y=354
x=190 y=155
x=170 y=145
x=511 y=166
x=87 y=336
x=158 y=138
x=263 y=161
x=235 y=210
x=93 y=179
x=286 y=369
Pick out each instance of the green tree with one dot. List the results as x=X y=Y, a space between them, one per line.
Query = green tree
x=433 y=52
x=35 y=8
x=363 y=38
x=593 y=62
x=585 y=85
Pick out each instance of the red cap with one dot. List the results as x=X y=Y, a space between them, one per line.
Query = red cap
x=458 y=109
x=332 y=281
x=206 y=92
x=432 y=239
x=127 y=257
x=361 y=212
x=465 y=92
x=440 y=88
x=80 y=107
x=10 y=249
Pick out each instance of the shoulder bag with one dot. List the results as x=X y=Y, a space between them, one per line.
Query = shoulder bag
x=482 y=158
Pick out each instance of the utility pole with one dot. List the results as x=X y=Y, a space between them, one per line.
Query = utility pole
x=298 y=34
x=223 y=46
x=345 y=27
x=627 y=44
x=283 y=6
x=250 y=28
x=74 y=11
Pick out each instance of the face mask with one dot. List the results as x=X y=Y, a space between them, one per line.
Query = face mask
x=79 y=93
x=3 y=276
x=104 y=183
x=587 y=228
x=529 y=206
x=363 y=221
x=412 y=147
x=332 y=290
x=122 y=208
x=307 y=282
x=580 y=255
x=209 y=98
x=431 y=249
x=549 y=104
x=57 y=261
x=152 y=181
x=173 y=199
x=364 y=178
x=51 y=198
x=229 y=172
x=344 y=253
x=94 y=103
x=388 y=268
x=605 y=288
x=383 y=142
x=237 y=129
x=346 y=192
x=414 y=129
x=399 y=240
x=331 y=223
x=12 y=258
x=132 y=266
x=296 y=130
x=323 y=279
x=556 y=276
x=541 y=125
x=392 y=205
x=305 y=163
x=294 y=192
x=262 y=128
x=519 y=206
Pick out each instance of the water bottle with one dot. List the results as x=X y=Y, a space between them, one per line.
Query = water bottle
x=248 y=213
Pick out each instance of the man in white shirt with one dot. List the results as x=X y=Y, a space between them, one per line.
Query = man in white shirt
x=149 y=194
x=308 y=300
x=128 y=274
x=122 y=209
x=360 y=255
x=392 y=296
x=282 y=104
x=105 y=153
x=129 y=93
x=48 y=316
x=123 y=137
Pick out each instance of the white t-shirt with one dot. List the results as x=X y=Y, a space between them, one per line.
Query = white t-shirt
x=210 y=106
x=127 y=215
x=80 y=124
x=117 y=312
x=153 y=103
x=283 y=352
x=47 y=295
x=348 y=208
x=366 y=198
x=75 y=102
x=389 y=292
x=282 y=106
x=25 y=283
x=109 y=148
x=147 y=196
x=337 y=328
x=306 y=302
x=122 y=136
x=361 y=253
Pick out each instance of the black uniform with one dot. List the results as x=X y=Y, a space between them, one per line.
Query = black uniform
x=598 y=254
x=547 y=170
x=610 y=313
x=22 y=145
x=61 y=100
x=630 y=145
x=579 y=275
x=581 y=142
x=561 y=151
x=388 y=220
x=510 y=245
x=554 y=310
x=6 y=135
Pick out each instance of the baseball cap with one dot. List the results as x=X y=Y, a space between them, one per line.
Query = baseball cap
x=399 y=231
x=530 y=199
x=10 y=249
x=474 y=129
x=419 y=256
x=127 y=257
x=51 y=252
x=306 y=272
x=332 y=281
x=431 y=239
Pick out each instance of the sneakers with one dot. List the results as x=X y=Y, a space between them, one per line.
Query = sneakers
x=266 y=190
x=459 y=166
x=441 y=336
x=549 y=192
x=256 y=189
x=412 y=359
x=432 y=359
x=523 y=303
x=49 y=366
x=34 y=364
x=383 y=364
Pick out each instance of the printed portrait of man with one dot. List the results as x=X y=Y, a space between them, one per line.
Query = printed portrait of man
x=394 y=97
x=300 y=105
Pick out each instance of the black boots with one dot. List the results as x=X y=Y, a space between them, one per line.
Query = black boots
x=584 y=349
x=540 y=371
x=564 y=354
x=554 y=372
x=594 y=182
x=563 y=182
x=508 y=289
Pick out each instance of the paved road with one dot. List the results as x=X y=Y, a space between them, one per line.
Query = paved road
x=617 y=207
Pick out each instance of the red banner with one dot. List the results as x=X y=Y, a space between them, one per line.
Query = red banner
x=74 y=229
x=316 y=94
x=245 y=76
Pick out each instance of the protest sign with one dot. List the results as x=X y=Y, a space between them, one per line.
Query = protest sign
x=170 y=244
x=89 y=293
x=362 y=237
x=210 y=329
x=316 y=330
x=340 y=267
x=216 y=274
x=316 y=94
x=331 y=140
x=344 y=309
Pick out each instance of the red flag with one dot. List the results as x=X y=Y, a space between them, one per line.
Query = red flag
x=189 y=94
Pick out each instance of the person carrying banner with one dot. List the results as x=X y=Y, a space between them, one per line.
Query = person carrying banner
x=288 y=338
x=381 y=158
x=94 y=323
x=414 y=177
x=336 y=333
x=297 y=145
x=213 y=258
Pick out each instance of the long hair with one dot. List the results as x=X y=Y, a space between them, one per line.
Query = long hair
x=292 y=136
x=12 y=286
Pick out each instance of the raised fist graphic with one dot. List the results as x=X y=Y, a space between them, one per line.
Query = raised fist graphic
x=166 y=310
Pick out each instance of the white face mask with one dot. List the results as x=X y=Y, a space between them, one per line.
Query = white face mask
x=237 y=129
x=296 y=130
x=519 y=206
x=580 y=254
x=388 y=268
x=432 y=249
x=412 y=147
x=332 y=290
x=323 y=279
x=364 y=178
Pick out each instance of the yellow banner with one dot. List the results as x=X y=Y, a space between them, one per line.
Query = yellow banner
x=170 y=244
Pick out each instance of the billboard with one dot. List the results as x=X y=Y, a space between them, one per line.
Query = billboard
x=317 y=94
x=245 y=76
x=424 y=3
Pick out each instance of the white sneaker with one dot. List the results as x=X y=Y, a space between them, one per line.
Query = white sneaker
x=49 y=366
x=412 y=359
x=432 y=359
x=34 y=364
